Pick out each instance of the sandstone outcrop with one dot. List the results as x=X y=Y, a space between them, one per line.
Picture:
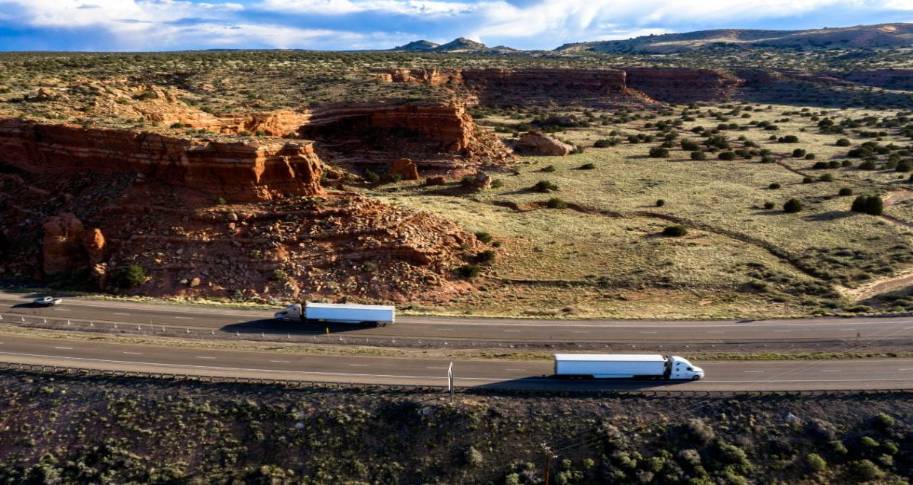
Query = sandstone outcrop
x=681 y=85
x=538 y=143
x=232 y=170
x=591 y=87
x=403 y=168
x=62 y=244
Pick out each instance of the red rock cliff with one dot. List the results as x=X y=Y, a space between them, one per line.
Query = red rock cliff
x=679 y=85
x=234 y=171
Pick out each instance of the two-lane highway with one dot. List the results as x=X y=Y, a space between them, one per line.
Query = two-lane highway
x=894 y=330
x=721 y=376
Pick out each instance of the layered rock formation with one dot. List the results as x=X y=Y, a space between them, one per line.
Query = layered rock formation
x=882 y=78
x=593 y=87
x=437 y=137
x=240 y=171
x=683 y=85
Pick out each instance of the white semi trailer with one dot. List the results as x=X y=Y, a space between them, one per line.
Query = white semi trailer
x=338 y=313
x=626 y=366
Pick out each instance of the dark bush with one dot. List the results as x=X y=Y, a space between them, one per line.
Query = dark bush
x=556 y=203
x=843 y=142
x=807 y=180
x=698 y=155
x=675 y=231
x=727 y=156
x=769 y=205
x=587 y=166
x=826 y=178
x=486 y=257
x=660 y=202
x=689 y=145
x=545 y=186
x=659 y=152
x=867 y=165
x=871 y=204
x=819 y=165
x=904 y=166
x=468 y=271
x=484 y=237
x=773 y=186
x=788 y=139
x=799 y=152
x=606 y=142
x=792 y=206
x=845 y=191
x=547 y=169
x=129 y=276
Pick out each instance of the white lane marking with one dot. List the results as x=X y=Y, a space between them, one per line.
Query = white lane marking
x=184 y=318
x=64 y=348
x=782 y=331
x=121 y=314
x=281 y=361
x=580 y=331
x=436 y=368
x=132 y=353
x=512 y=331
x=516 y=370
x=903 y=370
x=207 y=357
x=831 y=370
x=646 y=332
x=754 y=372
x=359 y=365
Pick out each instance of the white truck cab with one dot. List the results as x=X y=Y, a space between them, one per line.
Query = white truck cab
x=680 y=368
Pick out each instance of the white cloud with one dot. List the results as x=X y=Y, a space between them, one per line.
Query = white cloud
x=344 y=7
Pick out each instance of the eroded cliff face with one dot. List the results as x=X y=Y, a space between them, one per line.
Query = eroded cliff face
x=590 y=87
x=232 y=219
x=439 y=138
x=237 y=171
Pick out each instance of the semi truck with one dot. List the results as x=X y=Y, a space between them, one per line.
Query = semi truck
x=338 y=313
x=626 y=366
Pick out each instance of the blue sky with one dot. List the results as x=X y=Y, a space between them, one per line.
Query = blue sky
x=144 y=25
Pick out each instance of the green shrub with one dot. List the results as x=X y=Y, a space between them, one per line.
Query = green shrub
x=372 y=177
x=885 y=420
x=792 y=206
x=809 y=156
x=660 y=202
x=486 y=257
x=872 y=205
x=659 y=152
x=606 y=142
x=675 y=231
x=845 y=191
x=826 y=178
x=483 y=236
x=129 y=276
x=843 y=142
x=556 y=203
x=798 y=153
x=788 y=139
x=698 y=155
x=807 y=180
x=279 y=275
x=866 y=470
x=815 y=462
x=726 y=156
x=689 y=145
x=867 y=165
x=497 y=183
x=773 y=186
x=545 y=186
x=548 y=169
x=769 y=205
x=904 y=166
x=468 y=271
x=587 y=166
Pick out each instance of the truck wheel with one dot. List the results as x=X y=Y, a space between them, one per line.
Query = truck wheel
x=696 y=378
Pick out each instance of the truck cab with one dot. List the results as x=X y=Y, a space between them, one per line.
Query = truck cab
x=678 y=368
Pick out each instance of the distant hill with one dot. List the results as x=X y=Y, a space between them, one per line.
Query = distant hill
x=858 y=37
x=417 y=46
x=458 y=45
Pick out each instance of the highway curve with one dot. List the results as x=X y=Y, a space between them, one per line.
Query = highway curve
x=721 y=376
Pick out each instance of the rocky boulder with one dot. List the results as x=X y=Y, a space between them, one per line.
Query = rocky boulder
x=403 y=168
x=62 y=248
x=537 y=143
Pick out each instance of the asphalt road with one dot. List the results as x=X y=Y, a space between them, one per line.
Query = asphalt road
x=894 y=330
x=721 y=376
